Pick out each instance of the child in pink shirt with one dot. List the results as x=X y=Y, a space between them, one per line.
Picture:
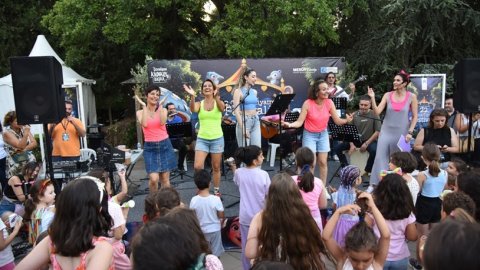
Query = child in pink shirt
x=311 y=187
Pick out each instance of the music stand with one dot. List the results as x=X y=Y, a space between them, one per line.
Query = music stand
x=178 y=131
x=291 y=117
x=280 y=104
x=346 y=133
x=340 y=104
x=110 y=156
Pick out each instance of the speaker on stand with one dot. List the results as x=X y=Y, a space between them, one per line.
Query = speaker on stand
x=39 y=97
x=466 y=97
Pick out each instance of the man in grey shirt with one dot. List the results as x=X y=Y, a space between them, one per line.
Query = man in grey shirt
x=368 y=125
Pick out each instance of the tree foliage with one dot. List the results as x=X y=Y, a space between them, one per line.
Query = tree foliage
x=104 y=39
x=275 y=28
x=19 y=27
x=391 y=35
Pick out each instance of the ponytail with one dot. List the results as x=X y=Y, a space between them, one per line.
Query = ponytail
x=305 y=158
x=306 y=179
x=361 y=236
x=30 y=206
x=36 y=190
x=434 y=168
x=246 y=72
x=431 y=153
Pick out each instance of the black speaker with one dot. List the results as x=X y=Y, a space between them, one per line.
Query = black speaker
x=466 y=97
x=37 y=89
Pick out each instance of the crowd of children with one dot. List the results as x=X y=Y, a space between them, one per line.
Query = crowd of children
x=280 y=222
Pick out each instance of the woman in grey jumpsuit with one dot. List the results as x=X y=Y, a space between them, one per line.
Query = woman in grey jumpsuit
x=397 y=103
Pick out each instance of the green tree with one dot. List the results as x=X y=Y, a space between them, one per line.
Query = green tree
x=274 y=28
x=104 y=39
x=19 y=27
x=390 y=35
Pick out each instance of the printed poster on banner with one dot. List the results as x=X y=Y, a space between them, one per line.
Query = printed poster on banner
x=430 y=91
x=274 y=76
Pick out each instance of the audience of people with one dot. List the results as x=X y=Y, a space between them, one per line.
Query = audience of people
x=281 y=224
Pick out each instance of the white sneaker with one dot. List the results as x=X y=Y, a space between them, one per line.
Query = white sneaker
x=335 y=157
x=370 y=189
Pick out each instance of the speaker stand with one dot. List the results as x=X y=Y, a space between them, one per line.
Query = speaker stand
x=48 y=157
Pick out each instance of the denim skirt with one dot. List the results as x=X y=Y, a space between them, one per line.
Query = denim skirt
x=159 y=156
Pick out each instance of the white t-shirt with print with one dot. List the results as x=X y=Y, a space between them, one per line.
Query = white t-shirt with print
x=6 y=255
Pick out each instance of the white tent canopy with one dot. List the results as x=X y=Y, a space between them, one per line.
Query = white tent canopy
x=86 y=99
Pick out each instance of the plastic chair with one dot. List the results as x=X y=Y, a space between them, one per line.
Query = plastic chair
x=272 y=152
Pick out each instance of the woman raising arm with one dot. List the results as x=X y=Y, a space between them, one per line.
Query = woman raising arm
x=398 y=103
x=210 y=136
x=248 y=133
x=158 y=151
x=316 y=112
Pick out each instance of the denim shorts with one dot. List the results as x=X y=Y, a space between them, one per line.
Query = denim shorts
x=396 y=265
x=159 y=156
x=214 y=146
x=318 y=142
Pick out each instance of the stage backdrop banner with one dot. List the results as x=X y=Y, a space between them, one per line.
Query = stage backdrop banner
x=274 y=76
x=430 y=91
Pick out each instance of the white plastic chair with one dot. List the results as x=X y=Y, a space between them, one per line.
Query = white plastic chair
x=86 y=155
x=272 y=152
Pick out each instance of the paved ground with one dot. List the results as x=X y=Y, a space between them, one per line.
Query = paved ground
x=187 y=189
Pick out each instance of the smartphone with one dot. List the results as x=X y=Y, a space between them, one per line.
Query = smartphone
x=12 y=219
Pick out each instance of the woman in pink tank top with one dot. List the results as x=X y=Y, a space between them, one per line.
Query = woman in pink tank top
x=158 y=151
x=316 y=112
x=397 y=103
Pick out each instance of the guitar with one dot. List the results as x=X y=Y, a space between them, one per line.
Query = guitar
x=269 y=126
x=268 y=129
x=360 y=79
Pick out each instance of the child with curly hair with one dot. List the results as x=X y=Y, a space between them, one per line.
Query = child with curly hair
x=396 y=205
x=407 y=163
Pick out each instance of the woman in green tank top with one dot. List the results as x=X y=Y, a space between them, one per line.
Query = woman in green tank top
x=210 y=135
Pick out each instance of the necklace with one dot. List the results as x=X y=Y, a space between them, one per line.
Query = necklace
x=208 y=106
x=151 y=113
